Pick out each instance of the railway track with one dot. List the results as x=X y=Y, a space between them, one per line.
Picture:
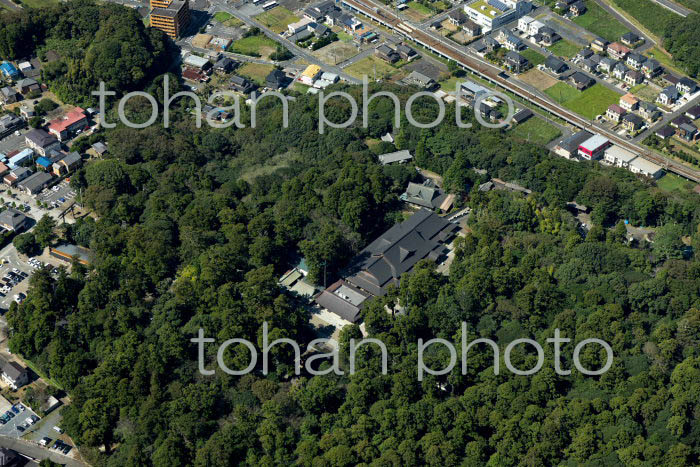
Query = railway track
x=381 y=15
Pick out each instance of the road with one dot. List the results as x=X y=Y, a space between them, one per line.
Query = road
x=475 y=64
x=666 y=119
x=298 y=51
x=674 y=7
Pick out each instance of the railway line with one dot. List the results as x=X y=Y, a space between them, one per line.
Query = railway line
x=388 y=19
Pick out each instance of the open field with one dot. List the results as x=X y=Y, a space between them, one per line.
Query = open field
x=599 y=22
x=538 y=79
x=664 y=59
x=450 y=84
x=645 y=92
x=651 y=15
x=564 y=48
x=39 y=3
x=589 y=103
x=418 y=12
x=535 y=58
x=227 y=19
x=537 y=131
x=671 y=182
x=367 y=66
x=255 y=46
x=336 y=52
x=255 y=71
x=277 y=18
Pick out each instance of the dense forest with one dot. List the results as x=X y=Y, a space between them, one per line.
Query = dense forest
x=194 y=226
x=83 y=43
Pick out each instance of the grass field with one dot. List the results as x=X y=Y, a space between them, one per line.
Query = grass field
x=39 y=3
x=645 y=92
x=450 y=84
x=535 y=58
x=651 y=15
x=538 y=79
x=663 y=59
x=589 y=103
x=599 y=22
x=671 y=182
x=255 y=71
x=564 y=48
x=366 y=66
x=227 y=19
x=254 y=46
x=422 y=9
x=277 y=18
x=300 y=88
x=537 y=131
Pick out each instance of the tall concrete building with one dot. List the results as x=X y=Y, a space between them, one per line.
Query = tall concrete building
x=170 y=16
x=492 y=14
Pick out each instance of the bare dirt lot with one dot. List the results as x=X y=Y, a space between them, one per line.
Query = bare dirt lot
x=336 y=52
x=538 y=79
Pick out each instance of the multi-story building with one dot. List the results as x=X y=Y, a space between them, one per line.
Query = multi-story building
x=170 y=16
x=492 y=14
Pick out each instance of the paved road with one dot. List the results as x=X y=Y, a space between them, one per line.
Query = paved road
x=35 y=451
x=674 y=7
x=298 y=51
x=468 y=60
x=666 y=119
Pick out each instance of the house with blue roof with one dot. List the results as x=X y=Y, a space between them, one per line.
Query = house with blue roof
x=44 y=163
x=8 y=70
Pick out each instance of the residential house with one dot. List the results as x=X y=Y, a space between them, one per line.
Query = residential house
x=524 y=23
x=472 y=90
x=26 y=111
x=320 y=11
x=69 y=125
x=16 y=175
x=21 y=158
x=547 y=36
x=584 y=54
x=636 y=60
x=298 y=26
x=671 y=79
x=555 y=65
x=420 y=80
x=457 y=17
x=27 y=85
x=225 y=65
x=693 y=113
x=4 y=169
x=629 y=102
x=619 y=71
x=619 y=157
x=665 y=132
x=632 y=122
x=471 y=28
x=310 y=74
x=607 y=64
x=516 y=62
x=581 y=81
x=535 y=27
x=241 y=84
x=649 y=111
x=386 y=259
x=8 y=95
x=615 y=113
x=276 y=79
x=387 y=54
x=35 y=183
x=522 y=115
x=634 y=77
x=321 y=30
x=425 y=195
x=14 y=374
x=599 y=45
x=195 y=75
x=630 y=39
x=9 y=71
x=577 y=8
x=644 y=167
x=669 y=96
x=100 y=148
x=195 y=61
x=69 y=163
x=9 y=123
x=651 y=68
x=680 y=120
x=513 y=43
x=618 y=51
x=406 y=53
x=41 y=141
x=686 y=86
x=589 y=65
x=300 y=36
x=688 y=132
x=14 y=221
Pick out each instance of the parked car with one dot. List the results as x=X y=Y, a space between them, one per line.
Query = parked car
x=45 y=441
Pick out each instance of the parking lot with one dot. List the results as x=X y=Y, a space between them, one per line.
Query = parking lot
x=13 y=141
x=18 y=419
x=46 y=430
x=58 y=195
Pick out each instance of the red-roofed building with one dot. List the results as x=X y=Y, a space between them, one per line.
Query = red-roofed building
x=198 y=76
x=618 y=51
x=73 y=122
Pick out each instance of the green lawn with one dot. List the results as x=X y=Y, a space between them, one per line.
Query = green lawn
x=536 y=131
x=255 y=46
x=422 y=9
x=644 y=92
x=564 y=48
x=450 y=84
x=535 y=58
x=255 y=71
x=227 y=19
x=589 y=103
x=366 y=66
x=277 y=18
x=600 y=22
x=671 y=182
x=344 y=36
x=38 y=4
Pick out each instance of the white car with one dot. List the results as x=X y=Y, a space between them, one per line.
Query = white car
x=60 y=431
x=56 y=188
